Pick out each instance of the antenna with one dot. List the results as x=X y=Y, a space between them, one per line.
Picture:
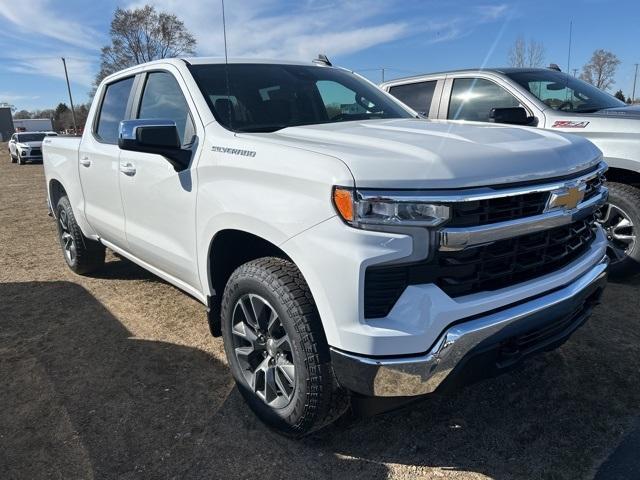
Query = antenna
x=226 y=65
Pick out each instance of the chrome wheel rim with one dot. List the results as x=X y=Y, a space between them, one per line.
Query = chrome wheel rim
x=620 y=232
x=68 y=243
x=263 y=350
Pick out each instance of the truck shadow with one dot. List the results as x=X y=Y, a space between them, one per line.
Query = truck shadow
x=83 y=398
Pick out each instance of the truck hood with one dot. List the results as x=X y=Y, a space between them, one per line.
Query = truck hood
x=408 y=153
x=31 y=144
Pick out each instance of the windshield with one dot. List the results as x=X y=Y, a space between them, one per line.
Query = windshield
x=564 y=92
x=266 y=98
x=30 y=137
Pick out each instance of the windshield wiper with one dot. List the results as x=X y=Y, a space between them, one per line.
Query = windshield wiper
x=261 y=128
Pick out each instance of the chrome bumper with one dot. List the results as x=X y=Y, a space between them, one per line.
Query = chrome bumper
x=422 y=374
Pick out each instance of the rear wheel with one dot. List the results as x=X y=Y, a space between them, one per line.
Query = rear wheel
x=277 y=350
x=620 y=219
x=82 y=254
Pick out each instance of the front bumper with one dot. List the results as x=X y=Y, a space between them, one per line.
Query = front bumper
x=500 y=339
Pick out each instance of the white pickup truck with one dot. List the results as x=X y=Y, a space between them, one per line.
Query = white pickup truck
x=343 y=247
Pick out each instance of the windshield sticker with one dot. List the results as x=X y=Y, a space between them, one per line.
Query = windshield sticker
x=569 y=124
x=234 y=151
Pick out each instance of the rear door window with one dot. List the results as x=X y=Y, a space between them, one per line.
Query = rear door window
x=473 y=98
x=417 y=95
x=113 y=110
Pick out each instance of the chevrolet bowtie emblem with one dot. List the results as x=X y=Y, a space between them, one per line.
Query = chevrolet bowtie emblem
x=568 y=197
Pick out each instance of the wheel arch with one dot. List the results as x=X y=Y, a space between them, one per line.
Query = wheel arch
x=623 y=175
x=56 y=192
x=229 y=249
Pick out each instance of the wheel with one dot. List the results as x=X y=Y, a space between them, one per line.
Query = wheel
x=277 y=350
x=13 y=159
x=81 y=254
x=620 y=219
x=20 y=160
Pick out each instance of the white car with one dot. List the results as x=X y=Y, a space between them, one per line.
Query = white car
x=27 y=146
x=342 y=245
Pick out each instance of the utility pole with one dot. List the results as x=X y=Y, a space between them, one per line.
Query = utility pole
x=569 y=55
x=635 y=77
x=73 y=110
x=575 y=71
x=383 y=73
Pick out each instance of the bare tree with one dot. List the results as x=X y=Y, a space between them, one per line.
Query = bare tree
x=601 y=69
x=518 y=53
x=535 y=54
x=522 y=54
x=141 y=35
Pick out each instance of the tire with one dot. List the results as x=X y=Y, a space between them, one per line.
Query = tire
x=275 y=289
x=13 y=159
x=621 y=220
x=20 y=160
x=82 y=255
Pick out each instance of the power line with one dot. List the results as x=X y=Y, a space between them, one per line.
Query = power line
x=635 y=77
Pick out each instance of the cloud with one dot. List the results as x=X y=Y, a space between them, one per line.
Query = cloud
x=41 y=17
x=81 y=70
x=289 y=29
x=9 y=97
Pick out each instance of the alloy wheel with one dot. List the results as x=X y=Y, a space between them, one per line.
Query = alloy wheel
x=68 y=243
x=263 y=350
x=620 y=231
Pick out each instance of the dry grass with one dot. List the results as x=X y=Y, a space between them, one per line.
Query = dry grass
x=116 y=376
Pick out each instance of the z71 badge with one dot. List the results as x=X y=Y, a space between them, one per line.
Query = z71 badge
x=569 y=124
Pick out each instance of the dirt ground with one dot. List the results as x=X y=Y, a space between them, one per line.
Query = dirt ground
x=116 y=376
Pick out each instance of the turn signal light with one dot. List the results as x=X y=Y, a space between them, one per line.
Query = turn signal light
x=343 y=201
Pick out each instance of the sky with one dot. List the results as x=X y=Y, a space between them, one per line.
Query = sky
x=406 y=37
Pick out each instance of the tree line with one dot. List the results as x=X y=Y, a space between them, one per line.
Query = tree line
x=60 y=116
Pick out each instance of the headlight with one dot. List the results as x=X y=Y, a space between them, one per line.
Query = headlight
x=359 y=209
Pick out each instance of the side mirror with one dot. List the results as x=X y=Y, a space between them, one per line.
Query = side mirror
x=159 y=137
x=512 y=116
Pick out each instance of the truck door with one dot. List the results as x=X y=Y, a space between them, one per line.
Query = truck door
x=473 y=98
x=99 y=156
x=160 y=203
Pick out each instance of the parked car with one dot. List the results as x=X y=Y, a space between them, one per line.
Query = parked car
x=550 y=99
x=25 y=147
x=343 y=246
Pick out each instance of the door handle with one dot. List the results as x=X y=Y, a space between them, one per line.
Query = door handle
x=128 y=168
x=85 y=162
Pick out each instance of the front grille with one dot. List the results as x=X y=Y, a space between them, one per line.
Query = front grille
x=35 y=152
x=484 y=268
x=482 y=212
x=493 y=210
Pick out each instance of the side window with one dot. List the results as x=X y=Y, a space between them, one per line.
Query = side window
x=473 y=99
x=417 y=95
x=163 y=99
x=113 y=110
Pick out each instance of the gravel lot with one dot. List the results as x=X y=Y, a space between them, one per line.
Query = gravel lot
x=116 y=376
